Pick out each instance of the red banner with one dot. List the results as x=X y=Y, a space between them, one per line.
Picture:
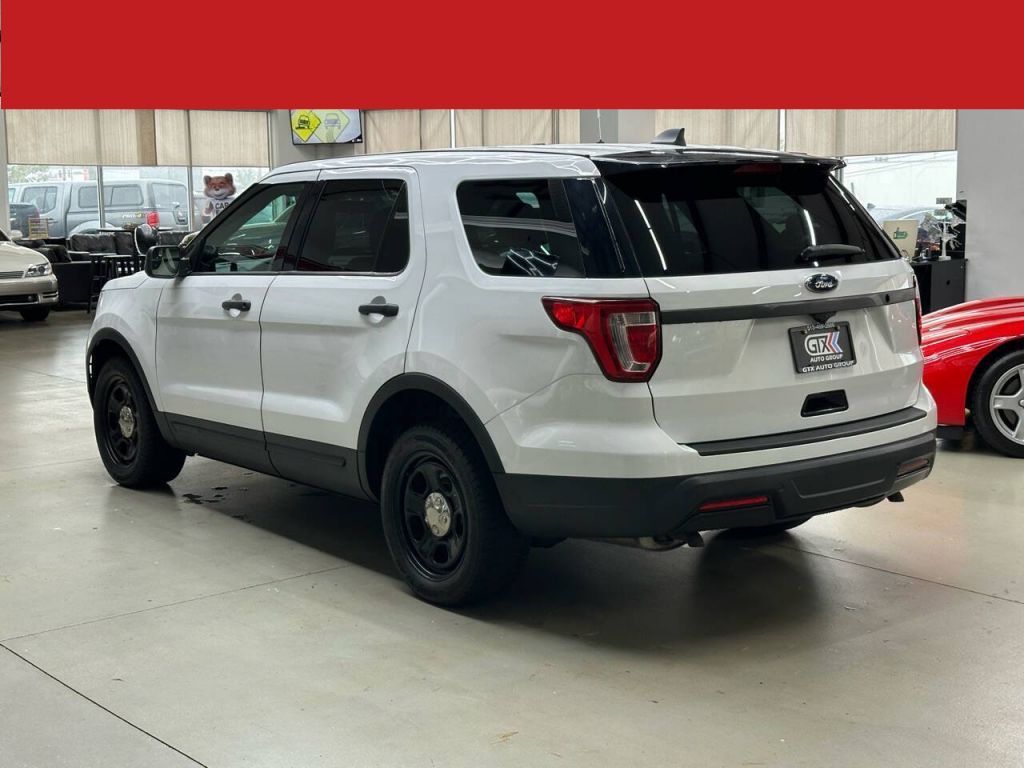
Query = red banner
x=248 y=55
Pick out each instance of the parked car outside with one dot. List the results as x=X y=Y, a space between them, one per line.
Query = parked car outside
x=508 y=347
x=27 y=284
x=70 y=207
x=974 y=368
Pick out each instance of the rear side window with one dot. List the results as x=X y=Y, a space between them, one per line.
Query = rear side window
x=43 y=197
x=122 y=195
x=358 y=226
x=737 y=218
x=521 y=227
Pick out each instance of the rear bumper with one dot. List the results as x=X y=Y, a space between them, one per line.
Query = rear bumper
x=554 y=506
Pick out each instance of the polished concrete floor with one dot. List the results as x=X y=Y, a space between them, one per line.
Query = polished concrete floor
x=238 y=620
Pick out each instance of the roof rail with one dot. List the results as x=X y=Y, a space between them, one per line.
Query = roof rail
x=671 y=136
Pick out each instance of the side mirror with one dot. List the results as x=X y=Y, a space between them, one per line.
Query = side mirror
x=167 y=261
x=17 y=234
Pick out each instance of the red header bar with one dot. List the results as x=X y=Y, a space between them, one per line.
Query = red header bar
x=248 y=55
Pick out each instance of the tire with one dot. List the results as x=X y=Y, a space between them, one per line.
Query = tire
x=35 y=315
x=130 y=444
x=998 y=404
x=436 y=475
x=775 y=529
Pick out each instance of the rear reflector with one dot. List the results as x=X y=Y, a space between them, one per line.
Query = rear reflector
x=623 y=334
x=740 y=503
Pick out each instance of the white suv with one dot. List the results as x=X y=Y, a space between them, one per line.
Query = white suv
x=514 y=346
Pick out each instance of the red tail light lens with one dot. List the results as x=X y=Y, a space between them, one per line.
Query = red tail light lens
x=623 y=334
x=153 y=219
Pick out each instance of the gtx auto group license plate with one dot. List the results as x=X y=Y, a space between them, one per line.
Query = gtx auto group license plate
x=819 y=348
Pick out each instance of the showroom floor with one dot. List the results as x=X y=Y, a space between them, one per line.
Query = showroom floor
x=240 y=620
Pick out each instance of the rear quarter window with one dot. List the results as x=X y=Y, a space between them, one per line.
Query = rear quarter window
x=537 y=228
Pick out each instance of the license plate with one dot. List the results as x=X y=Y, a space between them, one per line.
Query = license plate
x=818 y=348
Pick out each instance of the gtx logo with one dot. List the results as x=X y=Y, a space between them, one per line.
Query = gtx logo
x=822 y=282
x=817 y=344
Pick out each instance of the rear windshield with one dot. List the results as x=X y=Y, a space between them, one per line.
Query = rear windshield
x=753 y=217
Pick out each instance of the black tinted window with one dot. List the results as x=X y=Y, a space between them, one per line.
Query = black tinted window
x=521 y=227
x=737 y=218
x=358 y=226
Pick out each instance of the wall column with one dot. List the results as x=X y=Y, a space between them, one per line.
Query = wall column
x=990 y=176
x=5 y=208
x=617 y=125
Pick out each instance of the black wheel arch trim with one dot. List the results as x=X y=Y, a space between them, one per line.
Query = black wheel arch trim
x=422 y=382
x=110 y=335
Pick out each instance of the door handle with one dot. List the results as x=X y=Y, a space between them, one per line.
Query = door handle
x=387 y=310
x=242 y=305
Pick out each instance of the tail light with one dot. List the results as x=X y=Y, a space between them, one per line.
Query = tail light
x=153 y=219
x=623 y=334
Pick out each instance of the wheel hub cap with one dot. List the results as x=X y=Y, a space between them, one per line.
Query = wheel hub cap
x=126 y=421
x=1007 y=404
x=437 y=514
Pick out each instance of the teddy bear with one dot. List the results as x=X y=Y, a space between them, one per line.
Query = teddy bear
x=219 y=192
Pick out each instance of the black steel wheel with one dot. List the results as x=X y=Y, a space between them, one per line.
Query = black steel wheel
x=129 y=441
x=121 y=433
x=434 y=521
x=443 y=519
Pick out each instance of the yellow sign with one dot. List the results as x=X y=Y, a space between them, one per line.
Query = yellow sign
x=326 y=126
x=304 y=123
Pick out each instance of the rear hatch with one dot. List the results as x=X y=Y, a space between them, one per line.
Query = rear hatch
x=783 y=307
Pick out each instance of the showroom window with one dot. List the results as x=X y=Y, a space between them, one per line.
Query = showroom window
x=359 y=226
x=521 y=227
x=43 y=197
x=40 y=196
x=216 y=187
x=912 y=180
x=904 y=188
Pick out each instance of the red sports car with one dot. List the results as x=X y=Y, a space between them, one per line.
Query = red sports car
x=974 y=366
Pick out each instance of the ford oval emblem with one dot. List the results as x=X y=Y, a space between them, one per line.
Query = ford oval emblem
x=821 y=282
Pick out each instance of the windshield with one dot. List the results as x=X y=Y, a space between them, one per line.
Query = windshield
x=750 y=217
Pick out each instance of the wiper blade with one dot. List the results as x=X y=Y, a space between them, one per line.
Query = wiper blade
x=830 y=251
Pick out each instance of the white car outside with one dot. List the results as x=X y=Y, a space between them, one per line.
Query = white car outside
x=513 y=346
x=27 y=283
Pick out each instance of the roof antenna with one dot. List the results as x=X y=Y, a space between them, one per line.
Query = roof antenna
x=600 y=133
x=671 y=136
